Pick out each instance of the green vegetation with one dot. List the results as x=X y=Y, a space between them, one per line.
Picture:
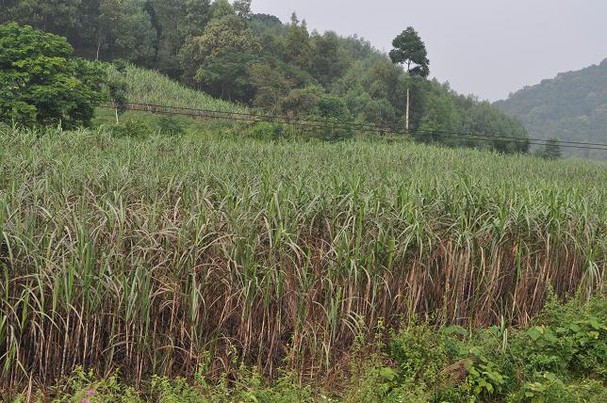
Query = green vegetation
x=162 y=258
x=41 y=84
x=150 y=87
x=572 y=106
x=410 y=51
x=560 y=357
x=259 y=62
x=552 y=150
x=164 y=255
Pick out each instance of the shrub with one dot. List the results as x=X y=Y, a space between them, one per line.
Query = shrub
x=134 y=128
x=267 y=131
x=41 y=84
x=170 y=126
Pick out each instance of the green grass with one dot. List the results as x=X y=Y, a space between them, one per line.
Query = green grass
x=164 y=254
x=150 y=87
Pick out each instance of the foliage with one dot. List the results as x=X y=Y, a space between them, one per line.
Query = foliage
x=570 y=106
x=134 y=128
x=267 y=131
x=301 y=103
x=82 y=386
x=124 y=30
x=298 y=48
x=279 y=68
x=170 y=125
x=217 y=58
x=271 y=86
x=533 y=364
x=228 y=77
x=243 y=9
x=149 y=87
x=566 y=338
x=410 y=50
x=552 y=150
x=418 y=357
x=335 y=116
x=42 y=85
x=497 y=131
x=174 y=22
x=329 y=60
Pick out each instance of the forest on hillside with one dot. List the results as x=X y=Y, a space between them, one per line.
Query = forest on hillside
x=227 y=51
x=572 y=106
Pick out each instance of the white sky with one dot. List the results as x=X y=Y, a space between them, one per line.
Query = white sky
x=488 y=48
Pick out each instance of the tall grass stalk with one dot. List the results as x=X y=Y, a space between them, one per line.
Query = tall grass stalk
x=150 y=256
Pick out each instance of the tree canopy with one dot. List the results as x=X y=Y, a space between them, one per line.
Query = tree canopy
x=41 y=84
x=410 y=50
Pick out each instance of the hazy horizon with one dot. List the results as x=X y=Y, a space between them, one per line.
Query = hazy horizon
x=488 y=49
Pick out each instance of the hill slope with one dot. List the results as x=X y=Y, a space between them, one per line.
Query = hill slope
x=151 y=87
x=572 y=106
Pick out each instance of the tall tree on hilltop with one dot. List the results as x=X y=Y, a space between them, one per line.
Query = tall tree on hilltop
x=197 y=15
x=216 y=60
x=329 y=60
x=410 y=51
x=298 y=49
x=175 y=21
x=221 y=8
x=125 y=31
x=243 y=9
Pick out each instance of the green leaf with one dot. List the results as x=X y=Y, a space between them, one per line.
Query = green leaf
x=387 y=373
x=596 y=325
x=550 y=337
x=535 y=333
x=550 y=376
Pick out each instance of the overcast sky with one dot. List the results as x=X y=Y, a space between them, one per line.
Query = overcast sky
x=484 y=47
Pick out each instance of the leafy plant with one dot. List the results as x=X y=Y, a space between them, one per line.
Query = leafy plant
x=41 y=84
x=484 y=378
x=134 y=128
x=170 y=126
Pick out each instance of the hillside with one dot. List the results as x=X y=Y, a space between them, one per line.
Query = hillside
x=254 y=60
x=151 y=87
x=572 y=106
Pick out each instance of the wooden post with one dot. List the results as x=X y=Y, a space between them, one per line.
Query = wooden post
x=407 y=111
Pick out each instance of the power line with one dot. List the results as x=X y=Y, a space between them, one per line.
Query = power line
x=318 y=123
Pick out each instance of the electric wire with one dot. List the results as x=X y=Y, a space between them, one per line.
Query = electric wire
x=435 y=135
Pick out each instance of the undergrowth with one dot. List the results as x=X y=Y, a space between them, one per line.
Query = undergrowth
x=559 y=357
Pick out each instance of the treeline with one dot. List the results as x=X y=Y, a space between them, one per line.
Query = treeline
x=229 y=52
x=572 y=106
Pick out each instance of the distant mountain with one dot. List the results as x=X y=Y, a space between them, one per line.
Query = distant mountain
x=572 y=106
